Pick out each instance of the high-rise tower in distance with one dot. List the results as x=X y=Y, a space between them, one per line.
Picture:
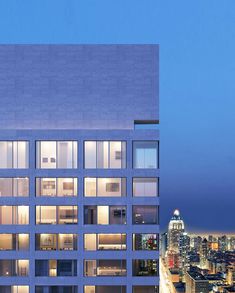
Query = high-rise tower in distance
x=79 y=169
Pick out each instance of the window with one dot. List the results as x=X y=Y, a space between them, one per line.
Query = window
x=145 y=289
x=145 y=215
x=145 y=154
x=145 y=241
x=56 y=154
x=144 y=267
x=14 y=289
x=56 y=289
x=55 y=268
x=145 y=187
x=105 y=215
x=56 y=214
x=10 y=187
x=113 y=187
x=105 y=154
x=104 y=289
x=14 y=241
x=14 y=215
x=13 y=267
x=105 y=267
x=14 y=154
x=104 y=241
x=56 y=186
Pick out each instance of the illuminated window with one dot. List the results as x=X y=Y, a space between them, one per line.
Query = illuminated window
x=145 y=289
x=105 y=241
x=56 y=214
x=145 y=154
x=104 y=289
x=10 y=187
x=113 y=187
x=56 y=154
x=145 y=187
x=145 y=241
x=105 y=215
x=56 y=289
x=56 y=186
x=105 y=154
x=14 y=215
x=13 y=267
x=14 y=154
x=145 y=215
x=145 y=267
x=105 y=267
x=14 y=241
x=14 y=289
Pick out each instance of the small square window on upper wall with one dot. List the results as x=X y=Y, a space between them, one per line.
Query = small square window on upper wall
x=56 y=154
x=105 y=154
x=14 y=154
x=145 y=154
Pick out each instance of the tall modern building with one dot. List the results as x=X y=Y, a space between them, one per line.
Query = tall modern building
x=79 y=169
x=196 y=283
x=175 y=231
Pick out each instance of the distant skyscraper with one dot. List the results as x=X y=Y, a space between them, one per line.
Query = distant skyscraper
x=175 y=230
x=164 y=244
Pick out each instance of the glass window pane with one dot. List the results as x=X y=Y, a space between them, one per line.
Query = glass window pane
x=145 y=289
x=21 y=150
x=90 y=241
x=21 y=186
x=145 y=267
x=90 y=215
x=6 y=188
x=90 y=186
x=23 y=215
x=67 y=242
x=6 y=158
x=67 y=214
x=145 y=215
x=6 y=242
x=23 y=241
x=6 y=215
x=67 y=187
x=117 y=215
x=111 y=241
x=65 y=154
x=102 y=154
x=46 y=214
x=111 y=187
x=90 y=154
x=103 y=215
x=46 y=241
x=116 y=154
x=145 y=242
x=145 y=154
x=47 y=154
x=145 y=186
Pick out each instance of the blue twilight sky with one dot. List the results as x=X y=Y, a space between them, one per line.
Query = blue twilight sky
x=197 y=86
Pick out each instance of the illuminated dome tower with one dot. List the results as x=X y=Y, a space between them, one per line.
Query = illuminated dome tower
x=175 y=230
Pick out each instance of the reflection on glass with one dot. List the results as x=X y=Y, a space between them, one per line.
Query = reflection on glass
x=145 y=242
x=145 y=187
x=14 y=154
x=145 y=215
x=105 y=241
x=145 y=154
x=56 y=214
x=105 y=267
x=14 y=215
x=145 y=267
x=10 y=187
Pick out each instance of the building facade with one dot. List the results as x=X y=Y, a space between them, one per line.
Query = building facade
x=79 y=169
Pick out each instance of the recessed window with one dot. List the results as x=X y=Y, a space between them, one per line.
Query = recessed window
x=14 y=215
x=14 y=267
x=104 y=241
x=56 y=186
x=145 y=289
x=56 y=289
x=14 y=154
x=55 y=268
x=145 y=241
x=112 y=187
x=145 y=267
x=56 y=215
x=104 y=289
x=104 y=215
x=14 y=241
x=144 y=215
x=56 y=154
x=11 y=187
x=145 y=154
x=105 y=267
x=105 y=154
x=146 y=187
x=56 y=241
